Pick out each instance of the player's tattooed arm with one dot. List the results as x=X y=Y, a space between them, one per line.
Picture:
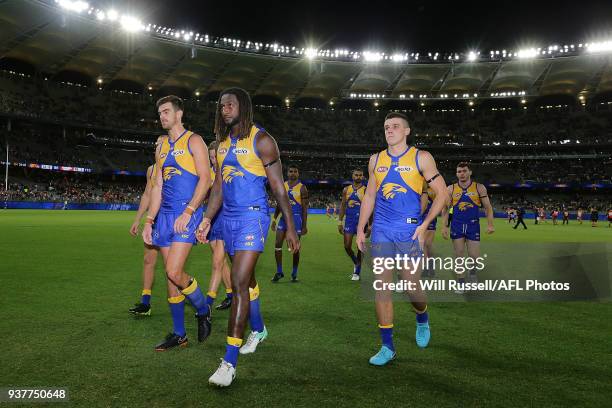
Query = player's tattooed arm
x=305 y=203
x=486 y=203
x=270 y=157
x=342 y=211
x=436 y=182
x=367 y=204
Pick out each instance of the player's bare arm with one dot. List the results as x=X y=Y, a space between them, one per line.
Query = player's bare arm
x=201 y=161
x=277 y=212
x=435 y=180
x=144 y=203
x=270 y=157
x=155 y=201
x=449 y=201
x=342 y=210
x=367 y=205
x=215 y=200
x=486 y=203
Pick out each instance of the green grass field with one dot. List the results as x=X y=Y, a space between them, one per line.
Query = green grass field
x=68 y=279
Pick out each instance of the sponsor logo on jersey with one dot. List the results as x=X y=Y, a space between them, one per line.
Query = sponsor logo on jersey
x=240 y=150
x=403 y=169
x=162 y=155
x=391 y=189
x=222 y=150
x=250 y=243
x=178 y=152
x=382 y=169
x=249 y=237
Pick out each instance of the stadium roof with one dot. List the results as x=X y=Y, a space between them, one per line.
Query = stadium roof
x=59 y=44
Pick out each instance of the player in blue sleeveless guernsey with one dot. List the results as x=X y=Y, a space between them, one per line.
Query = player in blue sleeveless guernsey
x=220 y=268
x=298 y=199
x=247 y=156
x=143 y=308
x=181 y=181
x=349 y=212
x=467 y=197
x=427 y=199
x=396 y=177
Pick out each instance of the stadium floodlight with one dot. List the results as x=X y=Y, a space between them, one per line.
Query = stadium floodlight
x=472 y=55
x=76 y=6
x=310 y=53
x=527 y=53
x=131 y=24
x=398 y=57
x=372 y=56
x=112 y=14
x=602 y=46
x=100 y=15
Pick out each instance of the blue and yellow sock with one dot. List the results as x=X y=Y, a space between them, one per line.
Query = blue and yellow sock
x=254 y=313
x=177 y=310
x=228 y=293
x=294 y=271
x=386 y=334
x=145 y=298
x=231 y=350
x=210 y=298
x=422 y=316
x=196 y=297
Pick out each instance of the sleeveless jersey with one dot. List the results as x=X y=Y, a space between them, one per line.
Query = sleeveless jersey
x=177 y=168
x=244 y=176
x=353 y=200
x=295 y=197
x=399 y=185
x=465 y=203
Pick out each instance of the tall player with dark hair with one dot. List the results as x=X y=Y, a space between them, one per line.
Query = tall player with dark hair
x=181 y=181
x=298 y=198
x=467 y=197
x=349 y=213
x=247 y=156
x=396 y=178
x=220 y=268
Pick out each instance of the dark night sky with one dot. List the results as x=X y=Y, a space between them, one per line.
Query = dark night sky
x=387 y=25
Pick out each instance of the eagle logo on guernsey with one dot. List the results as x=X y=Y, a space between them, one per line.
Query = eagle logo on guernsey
x=353 y=203
x=464 y=206
x=391 y=189
x=229 y=172
x=170 y=172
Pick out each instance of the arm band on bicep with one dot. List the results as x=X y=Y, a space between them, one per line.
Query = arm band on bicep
x=433 y=178
x=271 y=163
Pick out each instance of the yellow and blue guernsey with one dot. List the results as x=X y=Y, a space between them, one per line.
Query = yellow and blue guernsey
x=466 y=205
x=397 y=209
x=245 y=201
x=176 y=166
x=354 y=196
x=295 y=200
